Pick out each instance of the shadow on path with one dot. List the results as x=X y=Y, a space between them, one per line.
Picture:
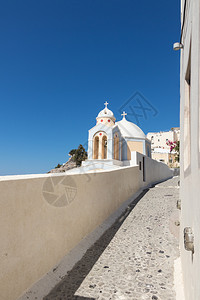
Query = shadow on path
x=65 y=290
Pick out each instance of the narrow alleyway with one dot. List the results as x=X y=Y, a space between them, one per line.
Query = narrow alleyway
x=134 y=259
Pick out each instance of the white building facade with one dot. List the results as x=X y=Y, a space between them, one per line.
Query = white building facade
x=190 y=147
x=160 y=149
x=160 y=139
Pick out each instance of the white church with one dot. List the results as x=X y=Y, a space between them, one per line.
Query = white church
x=113 y=144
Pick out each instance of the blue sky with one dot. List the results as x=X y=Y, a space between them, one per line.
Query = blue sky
x=61 y=60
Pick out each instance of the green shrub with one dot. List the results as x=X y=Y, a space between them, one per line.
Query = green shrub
x=78 y=155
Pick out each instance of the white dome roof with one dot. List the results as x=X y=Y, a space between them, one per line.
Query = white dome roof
x=130 y=130
x=106 y=113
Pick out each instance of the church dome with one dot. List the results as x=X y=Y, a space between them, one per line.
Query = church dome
x=129 y=129
x=106 y=113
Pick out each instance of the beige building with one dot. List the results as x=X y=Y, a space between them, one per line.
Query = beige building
x=190 y=146
x=165 y=156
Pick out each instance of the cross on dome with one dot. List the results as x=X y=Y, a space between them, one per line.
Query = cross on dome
x=106 y=104
x=106 y=113
x=124 y=114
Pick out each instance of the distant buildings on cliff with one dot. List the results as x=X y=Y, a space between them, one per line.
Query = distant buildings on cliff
x=160 y=148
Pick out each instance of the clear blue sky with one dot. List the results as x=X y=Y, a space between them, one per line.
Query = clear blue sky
x=60 y=61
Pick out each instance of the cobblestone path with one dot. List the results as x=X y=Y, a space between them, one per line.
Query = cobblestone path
x=134 y=259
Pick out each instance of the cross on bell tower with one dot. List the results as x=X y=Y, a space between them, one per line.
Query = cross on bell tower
x=106 y=104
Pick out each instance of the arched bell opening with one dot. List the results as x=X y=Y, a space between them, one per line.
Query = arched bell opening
x=96 y=148
x=104 y=147
x=116 y=148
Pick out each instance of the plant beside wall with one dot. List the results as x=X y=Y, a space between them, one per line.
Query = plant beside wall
x=78 y=155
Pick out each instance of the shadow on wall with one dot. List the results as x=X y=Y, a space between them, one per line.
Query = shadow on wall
x=67 y=288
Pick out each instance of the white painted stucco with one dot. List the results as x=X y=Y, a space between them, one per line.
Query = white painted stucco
x=42 y=217
x=160 y=139
x=190 y=144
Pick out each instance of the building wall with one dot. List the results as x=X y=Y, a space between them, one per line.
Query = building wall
x=42 y=217
x=151 y=170
x=176 y=133
x=148 y=148
x=160 y=157
x=189 y=143
x=134 y=146
x=167 y=158
x=159 y=139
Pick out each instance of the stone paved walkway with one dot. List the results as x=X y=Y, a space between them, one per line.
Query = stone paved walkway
x=134 y=259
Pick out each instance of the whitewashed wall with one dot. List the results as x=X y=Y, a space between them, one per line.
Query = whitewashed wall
x=42 y=217
x=190 y=159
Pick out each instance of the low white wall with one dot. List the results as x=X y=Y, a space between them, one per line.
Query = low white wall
x=42 y=217
x=154 y=171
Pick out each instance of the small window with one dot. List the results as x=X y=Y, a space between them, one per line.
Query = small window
x=140 y=165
